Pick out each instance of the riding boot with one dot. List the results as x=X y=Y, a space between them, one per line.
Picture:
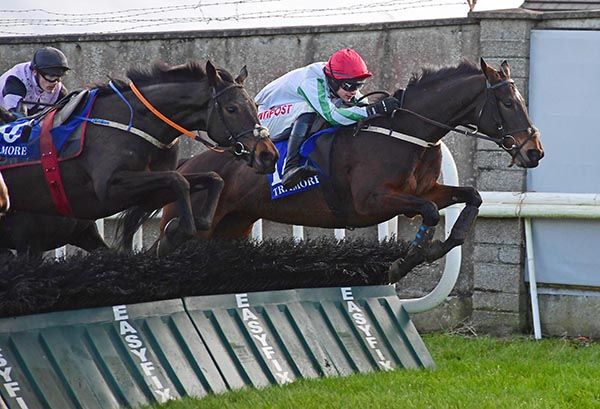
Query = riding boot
x=293 y=173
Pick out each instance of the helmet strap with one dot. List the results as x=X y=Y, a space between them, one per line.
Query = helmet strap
x=333 y=85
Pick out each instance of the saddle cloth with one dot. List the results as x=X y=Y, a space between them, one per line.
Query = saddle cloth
x=20 y=140
x=308 y=152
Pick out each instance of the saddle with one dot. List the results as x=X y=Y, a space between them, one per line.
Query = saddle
x=68 y=105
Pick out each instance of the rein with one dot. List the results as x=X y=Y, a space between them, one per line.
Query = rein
x=467 y=130
x=236 y=148
x=159 y=115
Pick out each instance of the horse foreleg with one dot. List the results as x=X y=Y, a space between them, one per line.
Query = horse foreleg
x=213 y=183
x=445 y=196
x=135 y=187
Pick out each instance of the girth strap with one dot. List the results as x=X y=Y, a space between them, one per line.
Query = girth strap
x=401 y=136
x=144 y=135
x=51 y=169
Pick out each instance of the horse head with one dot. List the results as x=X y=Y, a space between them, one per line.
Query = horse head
x=233 y=120
x=504 y=116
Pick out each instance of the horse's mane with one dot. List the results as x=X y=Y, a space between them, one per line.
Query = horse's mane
x=161 y=72
x=430 y=75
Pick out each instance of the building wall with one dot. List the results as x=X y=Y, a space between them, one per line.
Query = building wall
x=490 y=292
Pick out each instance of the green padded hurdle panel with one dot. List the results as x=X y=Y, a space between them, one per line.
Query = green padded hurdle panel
x=130 y=355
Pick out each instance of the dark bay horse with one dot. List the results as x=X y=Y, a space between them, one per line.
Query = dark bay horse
x=118 y=169
x=376 y=177
x=31 y=234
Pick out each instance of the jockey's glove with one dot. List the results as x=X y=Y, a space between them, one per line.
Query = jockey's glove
x=383 y=107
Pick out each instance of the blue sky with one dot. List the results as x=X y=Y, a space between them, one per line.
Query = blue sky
x=35 y=17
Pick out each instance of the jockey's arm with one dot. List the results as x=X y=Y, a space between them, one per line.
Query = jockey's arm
x=13 y=92
x=316 y=93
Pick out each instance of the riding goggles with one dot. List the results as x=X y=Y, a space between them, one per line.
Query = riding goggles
x=51 y=78
x=351 y=85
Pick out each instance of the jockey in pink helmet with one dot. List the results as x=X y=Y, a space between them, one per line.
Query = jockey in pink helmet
x=291 y=103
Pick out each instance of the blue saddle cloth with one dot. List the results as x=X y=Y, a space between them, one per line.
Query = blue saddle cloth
x=20 y=139
x=277 y=190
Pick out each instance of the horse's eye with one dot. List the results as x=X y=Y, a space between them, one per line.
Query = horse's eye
x=231 y=110
x=508 y=103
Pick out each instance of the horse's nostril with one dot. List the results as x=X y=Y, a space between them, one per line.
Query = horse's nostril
x=534 y=155
x=266 y=157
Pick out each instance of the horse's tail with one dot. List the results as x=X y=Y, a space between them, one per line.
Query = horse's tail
x=128 y=222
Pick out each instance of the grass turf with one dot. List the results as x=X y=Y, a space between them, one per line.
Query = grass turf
x=475 y=372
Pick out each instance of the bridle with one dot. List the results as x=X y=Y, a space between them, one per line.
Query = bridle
x=506 y=141
x=234 y=145
x=233 y=142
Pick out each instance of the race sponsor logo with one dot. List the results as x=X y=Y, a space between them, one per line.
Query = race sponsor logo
x=277 y=189
x=10 y=134
x=11 y=386
x=137 y=348
x=275 y=111
x=360 y=321
x=257 y=332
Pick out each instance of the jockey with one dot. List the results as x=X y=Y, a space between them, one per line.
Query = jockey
x=291 y=104
x=35 y=81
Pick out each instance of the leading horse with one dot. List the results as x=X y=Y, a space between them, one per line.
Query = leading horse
x=132 y=161
x=391 y=166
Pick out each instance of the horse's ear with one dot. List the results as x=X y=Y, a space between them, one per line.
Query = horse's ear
x=242 y=75
x=212 y=74
x=490 y=73
x=505 y=68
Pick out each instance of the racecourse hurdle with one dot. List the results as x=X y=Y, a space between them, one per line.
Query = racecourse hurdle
x=128 y=355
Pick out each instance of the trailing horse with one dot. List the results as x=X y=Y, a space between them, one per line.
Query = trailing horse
x=31 y=234
x=130 y=148
x=390 y=167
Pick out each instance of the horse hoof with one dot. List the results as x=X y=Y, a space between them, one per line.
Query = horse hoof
x=166 y=243
x=171 y=227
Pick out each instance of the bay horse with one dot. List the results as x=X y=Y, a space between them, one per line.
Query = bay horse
x=132 y=163
x=376 y=176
